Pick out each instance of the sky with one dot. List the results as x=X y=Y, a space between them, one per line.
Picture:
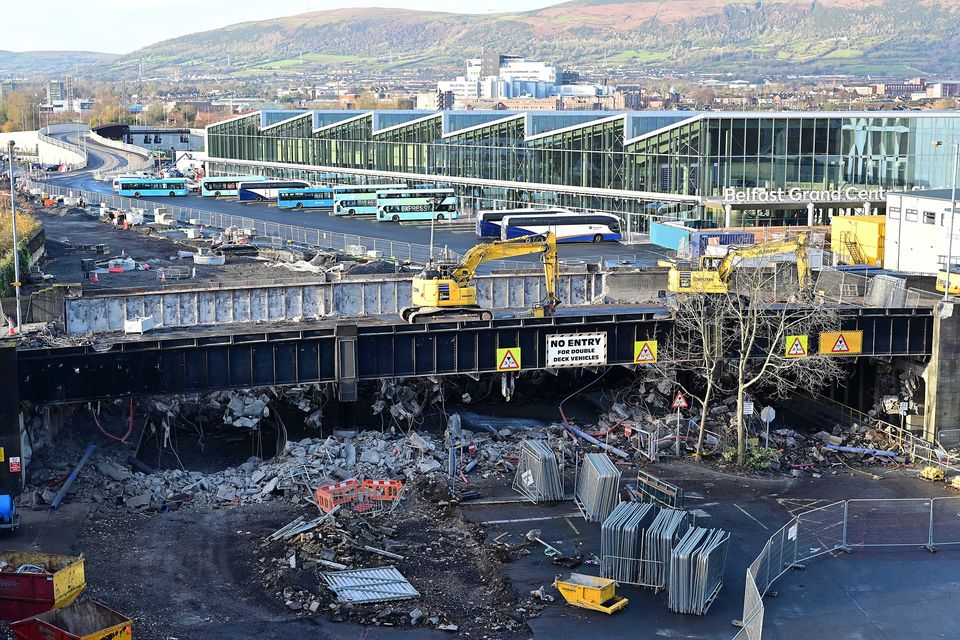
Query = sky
x=122 y=26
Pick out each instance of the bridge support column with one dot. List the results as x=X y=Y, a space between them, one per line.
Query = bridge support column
x=11 y=464
x=942 y=401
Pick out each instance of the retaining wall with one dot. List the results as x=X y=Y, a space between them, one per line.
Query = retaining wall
x=190 y=307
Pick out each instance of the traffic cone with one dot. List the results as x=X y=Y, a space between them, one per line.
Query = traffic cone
x=163 y=276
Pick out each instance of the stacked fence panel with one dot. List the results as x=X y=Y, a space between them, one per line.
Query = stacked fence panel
x=696 y=570
x=538 y=474
x=597 y=487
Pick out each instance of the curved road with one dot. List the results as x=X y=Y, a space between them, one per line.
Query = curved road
x=104 y=158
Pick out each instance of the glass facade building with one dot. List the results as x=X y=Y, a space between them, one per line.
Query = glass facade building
x=640 y=164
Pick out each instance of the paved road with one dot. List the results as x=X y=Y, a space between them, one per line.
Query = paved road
x=459 y=240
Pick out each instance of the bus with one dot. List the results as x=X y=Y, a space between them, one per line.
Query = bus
x=127 y=176
x=263 y=190
x=417 y=204
x=359 y=199
x=488 y=222
x=137 y=187
x=571 y=227
x=214 y=187
x=311 y=198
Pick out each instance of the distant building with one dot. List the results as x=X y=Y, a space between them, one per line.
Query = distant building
x=943 y=90
x=56 y=91
x=77 y=105
x=918 y=230
x=159 y=138
x=895 y=89
x=499 y=76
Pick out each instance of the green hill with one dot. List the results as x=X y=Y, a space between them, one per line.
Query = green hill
x=29 y=63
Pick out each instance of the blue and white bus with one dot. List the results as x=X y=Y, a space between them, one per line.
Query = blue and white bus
x=311 y=198
x=570 y=227
x=214 y=187
x=263 y=190
x=417 y=204
x=359 y=199
x=488 y=222
x=137 y=187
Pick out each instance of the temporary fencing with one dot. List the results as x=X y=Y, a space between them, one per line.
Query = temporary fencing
x=841 y=526
x=621 y=543
x=696 y=570
x=538 y=473
x=598 y=487
x=362 y=496
x=652 y=489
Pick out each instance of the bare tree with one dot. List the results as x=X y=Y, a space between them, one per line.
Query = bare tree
x=693 y=347
x=737 y=341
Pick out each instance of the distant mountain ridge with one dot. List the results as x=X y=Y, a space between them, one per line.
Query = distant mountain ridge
x=788 y=36
x=30 y=63
x=740 y=37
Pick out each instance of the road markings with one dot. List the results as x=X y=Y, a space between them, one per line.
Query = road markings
x=742 y=510
x=541 y=519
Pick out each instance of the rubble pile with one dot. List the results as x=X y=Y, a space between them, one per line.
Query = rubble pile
x=813 y=452
x=443 y=557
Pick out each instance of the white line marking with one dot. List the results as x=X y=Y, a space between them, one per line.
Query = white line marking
x=575 y=530
x=750 y=516
x=565 y=515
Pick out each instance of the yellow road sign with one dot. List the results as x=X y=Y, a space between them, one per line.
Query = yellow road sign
x=796 y=346
x=645 y=352
x=508 y=359
x=841 y=343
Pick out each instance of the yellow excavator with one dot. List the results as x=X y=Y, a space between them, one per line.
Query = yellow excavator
x=443 y=290
x=715 y=272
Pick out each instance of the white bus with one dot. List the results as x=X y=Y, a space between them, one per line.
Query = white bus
x=263 y=190
x=488 y=221
x=417 y=204
x=570 y=227
x=359 y=199
x=216 y=186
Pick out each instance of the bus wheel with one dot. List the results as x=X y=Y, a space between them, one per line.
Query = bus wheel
x=598 y=238
x=260 y=198
x=299 y=205
x=395 y=218
x=351 y=212
x=172 y=194
x=136 y=194
x=440 y=216
x=216 y=194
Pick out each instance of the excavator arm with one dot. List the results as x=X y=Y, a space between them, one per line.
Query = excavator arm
x=799 y=246
x=546 y=245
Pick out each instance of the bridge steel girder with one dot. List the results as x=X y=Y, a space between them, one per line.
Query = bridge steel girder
x=204 y=363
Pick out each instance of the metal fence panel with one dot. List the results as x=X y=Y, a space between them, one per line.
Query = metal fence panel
x=945 y=521
x=752 y=611
x=818 y=531
x=888 y=522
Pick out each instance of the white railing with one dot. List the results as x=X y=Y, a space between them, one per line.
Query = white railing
x=80 y=152
x=146 y=163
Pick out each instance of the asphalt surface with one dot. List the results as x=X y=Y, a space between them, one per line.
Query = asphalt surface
x=459 y=240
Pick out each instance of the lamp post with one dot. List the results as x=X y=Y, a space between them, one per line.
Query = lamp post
x=953 y=211
x=432 y=203
x=16 y=244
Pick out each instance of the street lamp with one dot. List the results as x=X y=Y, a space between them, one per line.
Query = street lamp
x=16 y=245
x=953 y=211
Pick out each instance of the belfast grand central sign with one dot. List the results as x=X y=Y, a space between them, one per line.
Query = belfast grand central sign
x=796 y=195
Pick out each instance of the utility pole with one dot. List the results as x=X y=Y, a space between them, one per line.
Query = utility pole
x=16 y=244
x=953 y=214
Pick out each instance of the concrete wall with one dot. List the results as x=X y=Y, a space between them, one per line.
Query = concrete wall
x=24 y=141
x=53 y=151
x=303 y=301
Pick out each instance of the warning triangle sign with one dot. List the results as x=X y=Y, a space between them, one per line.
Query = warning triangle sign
x=796 y=349
x=840 y=346
x=679 y=402
x=645 y=355
x=508 y=362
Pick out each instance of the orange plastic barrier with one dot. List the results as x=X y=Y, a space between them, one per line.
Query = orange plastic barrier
x=331 y=495
x=381 y=489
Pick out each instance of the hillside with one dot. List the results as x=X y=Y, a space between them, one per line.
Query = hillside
x=33 y=63
x=788 y=36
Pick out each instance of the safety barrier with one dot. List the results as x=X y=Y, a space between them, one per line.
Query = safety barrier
x=843 y=526
x=862 y=289
x=145 y=164
x=357 y=493
x=77 y=150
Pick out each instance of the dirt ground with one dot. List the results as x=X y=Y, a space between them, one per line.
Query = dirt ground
x=152 y=245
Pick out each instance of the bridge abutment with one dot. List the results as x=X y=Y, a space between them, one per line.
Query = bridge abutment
x=942 y=375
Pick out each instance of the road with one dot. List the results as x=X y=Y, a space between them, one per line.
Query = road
x=460 y=239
